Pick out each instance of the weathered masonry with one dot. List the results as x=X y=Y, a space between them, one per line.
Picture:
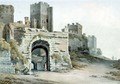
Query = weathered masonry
x=41 y=16
x=6 y=14
x=44 y=49
x=53 y=46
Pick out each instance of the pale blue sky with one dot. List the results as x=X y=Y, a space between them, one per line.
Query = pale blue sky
x=98 y=17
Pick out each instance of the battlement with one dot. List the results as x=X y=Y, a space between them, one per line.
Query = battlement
x=43 y=3
x=74 y=24
x=74 y=28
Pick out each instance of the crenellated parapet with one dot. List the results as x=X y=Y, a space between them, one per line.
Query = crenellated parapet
x=74 y=28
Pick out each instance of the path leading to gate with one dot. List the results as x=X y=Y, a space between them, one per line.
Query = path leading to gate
x=92 y=74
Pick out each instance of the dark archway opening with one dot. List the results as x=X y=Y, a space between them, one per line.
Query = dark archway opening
x=6 y=32
x=40 y=56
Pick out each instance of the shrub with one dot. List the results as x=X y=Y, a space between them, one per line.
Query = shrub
x=115 y=73
x=72 y=36
x=4 y=45
x=77 y=65
x=6 y=79
x=117 y=64
x=73 y=55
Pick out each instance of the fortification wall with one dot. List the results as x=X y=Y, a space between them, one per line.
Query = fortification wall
x=58 y=44
x=6 y=13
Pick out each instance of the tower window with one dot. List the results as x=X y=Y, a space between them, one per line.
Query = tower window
x=47 y=20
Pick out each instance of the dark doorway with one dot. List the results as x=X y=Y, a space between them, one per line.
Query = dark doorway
x=40 y=56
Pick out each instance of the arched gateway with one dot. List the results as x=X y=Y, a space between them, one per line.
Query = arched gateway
x=41 y=62
x=53 y=47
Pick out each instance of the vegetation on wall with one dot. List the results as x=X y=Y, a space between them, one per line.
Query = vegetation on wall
x=4 y=45
x=72 y=36
x=57 y=58
x=1 y=25
x=19 y=33
x=1 y=9
x=75 y=60
x=66 y=59
x=15 y=54
x=73 y=56
x=117 y=64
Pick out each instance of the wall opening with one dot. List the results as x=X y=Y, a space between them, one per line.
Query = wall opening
x=40 y=56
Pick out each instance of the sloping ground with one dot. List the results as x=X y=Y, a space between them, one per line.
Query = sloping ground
x=77 y=56
x=93 y=73
x=116 y=64
x=81 y=60
x=115 y=75
x=23 y=79
x=92 y=70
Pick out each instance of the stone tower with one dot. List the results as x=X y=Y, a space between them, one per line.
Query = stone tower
x=41 y=16
x=73 y=29
x=6 y=14
x=26 y=20
x=92 y=42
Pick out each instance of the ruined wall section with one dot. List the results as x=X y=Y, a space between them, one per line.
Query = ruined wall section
x=6 y=13
x=77 y=40
x=14 y=31
x=74 y=44
x=5 y=62
x=5 y=58
x=58 y=43
x=1 y=29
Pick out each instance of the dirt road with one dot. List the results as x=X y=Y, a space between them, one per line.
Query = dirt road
x=92 y=74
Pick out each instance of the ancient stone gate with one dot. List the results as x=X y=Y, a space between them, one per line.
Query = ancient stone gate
x=45 y=60
x=55 y=45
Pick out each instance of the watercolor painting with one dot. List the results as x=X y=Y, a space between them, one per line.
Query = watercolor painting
x=59 y=42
